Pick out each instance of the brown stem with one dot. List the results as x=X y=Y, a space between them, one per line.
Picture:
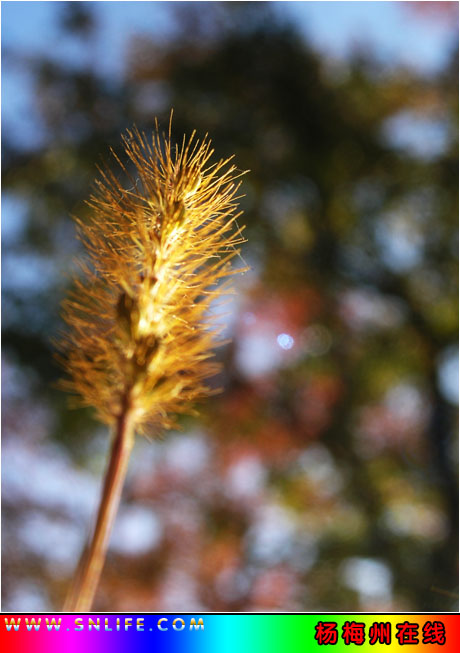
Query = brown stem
x=86 y=580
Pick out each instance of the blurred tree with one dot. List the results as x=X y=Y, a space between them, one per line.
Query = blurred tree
x=331 y=474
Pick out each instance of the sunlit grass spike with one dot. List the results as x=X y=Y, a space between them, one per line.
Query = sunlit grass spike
x=159 y=238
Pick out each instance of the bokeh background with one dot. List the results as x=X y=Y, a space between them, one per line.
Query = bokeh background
x=324 y=477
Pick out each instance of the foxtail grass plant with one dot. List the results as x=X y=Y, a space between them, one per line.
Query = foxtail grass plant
x=140 y=331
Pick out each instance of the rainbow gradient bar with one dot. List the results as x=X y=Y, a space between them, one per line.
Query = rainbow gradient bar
x=228 y=633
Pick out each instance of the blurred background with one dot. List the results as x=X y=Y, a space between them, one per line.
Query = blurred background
x=324 y=476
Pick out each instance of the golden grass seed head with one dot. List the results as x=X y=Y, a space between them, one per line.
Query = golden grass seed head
x=157 y=249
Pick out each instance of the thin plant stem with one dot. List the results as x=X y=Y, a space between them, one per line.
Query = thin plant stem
x=86 y=580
